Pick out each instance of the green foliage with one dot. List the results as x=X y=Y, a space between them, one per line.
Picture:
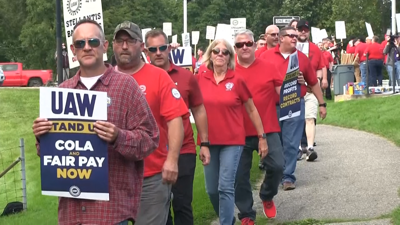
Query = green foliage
x=28 y=27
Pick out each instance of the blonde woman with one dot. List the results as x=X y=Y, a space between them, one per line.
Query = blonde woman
x=226 y=98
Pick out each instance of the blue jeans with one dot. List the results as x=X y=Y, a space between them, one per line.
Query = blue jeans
x=375 y=72
x=389 y=69
x=220 y=177
x=363 y=70
x=292 y=130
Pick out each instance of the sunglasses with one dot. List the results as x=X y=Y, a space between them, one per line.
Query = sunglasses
x=93 y=42
x=241 y=44
x=291 y=35
x=301 y=29
x=225 y=52
x=161 y=48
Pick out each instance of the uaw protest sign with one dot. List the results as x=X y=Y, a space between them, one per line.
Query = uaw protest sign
x=73 y=158
x=182 y=57
x=74 y=11
x=289 y=99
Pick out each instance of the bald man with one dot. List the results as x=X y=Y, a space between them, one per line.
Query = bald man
x=271 y=37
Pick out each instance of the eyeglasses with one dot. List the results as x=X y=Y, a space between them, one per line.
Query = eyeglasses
x=241 y=44
x=129 y=41
x=274 y=34
x=93 y=42
x=301 y=29
x=161 y=48
x=291 y=35
x=216 y=51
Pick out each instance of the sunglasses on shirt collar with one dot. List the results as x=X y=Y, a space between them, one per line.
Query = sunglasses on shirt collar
x=225 y=52
x=241 y=44
x=161 y=48
x=93 y=42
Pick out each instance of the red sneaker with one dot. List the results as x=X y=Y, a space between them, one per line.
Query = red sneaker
x=247 y=221
x=269 y=209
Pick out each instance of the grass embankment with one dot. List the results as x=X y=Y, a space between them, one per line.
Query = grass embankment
x=18 y=109
x=375 y=115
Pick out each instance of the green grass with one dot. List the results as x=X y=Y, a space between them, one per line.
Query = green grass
x=19 y=107
x=375 y=115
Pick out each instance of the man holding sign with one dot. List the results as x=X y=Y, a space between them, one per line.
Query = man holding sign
x=292 y=122
x=130 y=134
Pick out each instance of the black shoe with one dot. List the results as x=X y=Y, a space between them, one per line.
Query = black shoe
x=311 y=155
x=315 y=144
x=299 y=155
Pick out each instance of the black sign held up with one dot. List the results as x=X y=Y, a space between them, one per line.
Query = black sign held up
x=281 y=21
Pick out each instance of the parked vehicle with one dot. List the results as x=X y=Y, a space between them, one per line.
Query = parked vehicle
x=15 y=76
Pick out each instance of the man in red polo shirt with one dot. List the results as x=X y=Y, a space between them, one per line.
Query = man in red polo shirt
x=158 y=50
x=271 y=38
x=360 y=50
x=168 y=108
x=264 y=81
x=292 y=128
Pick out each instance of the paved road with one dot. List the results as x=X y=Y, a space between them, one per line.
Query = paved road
x=356 y=176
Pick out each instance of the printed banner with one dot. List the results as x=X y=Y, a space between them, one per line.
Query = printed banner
x=73 y=159
x=182 y=57
x=74 y=11
x=289 y=98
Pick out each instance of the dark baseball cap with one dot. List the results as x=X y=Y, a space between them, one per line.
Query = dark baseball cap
x=303 y=23
x=132 y=29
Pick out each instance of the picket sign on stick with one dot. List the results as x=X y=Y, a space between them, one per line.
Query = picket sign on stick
x=167 y=28
x=210 y=33
x=195 y=40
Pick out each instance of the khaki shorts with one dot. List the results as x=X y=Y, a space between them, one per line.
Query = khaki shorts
x=311 y=106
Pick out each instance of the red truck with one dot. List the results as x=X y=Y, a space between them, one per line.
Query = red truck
x=15 y=76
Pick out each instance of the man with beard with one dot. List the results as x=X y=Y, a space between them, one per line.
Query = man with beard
x=271 y=38
x=293 y=127
x=158 y=50
x=168 y=107
x=311 y=103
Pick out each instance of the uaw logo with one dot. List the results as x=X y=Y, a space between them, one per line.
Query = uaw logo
x=74 y=191
x=143 y=88
x=74 y=6
x=229 y=86
x=235 y=22
x=290 y=113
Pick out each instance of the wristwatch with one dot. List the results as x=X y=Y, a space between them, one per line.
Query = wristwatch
x=264 y=136
x=323 y=105
x=205 y=144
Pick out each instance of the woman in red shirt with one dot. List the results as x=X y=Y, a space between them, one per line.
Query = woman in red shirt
x=224 y=95
x=375 y=62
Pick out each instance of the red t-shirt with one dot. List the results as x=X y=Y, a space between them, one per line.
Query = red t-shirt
x=350 y=49
x=360 y=49
x=275 y=56
x=328 y=57
x=261 y=78
x=315 y=56
x=375 y=51
x=187 y=85
x=203 y=68
x=166 y=104
x=223 y=103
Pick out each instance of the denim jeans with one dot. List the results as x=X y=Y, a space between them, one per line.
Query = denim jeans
x=375 y=72
x=220 y=177
x=363 y=70
x=292 y=130
x=274 y=163
x=389 y=69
